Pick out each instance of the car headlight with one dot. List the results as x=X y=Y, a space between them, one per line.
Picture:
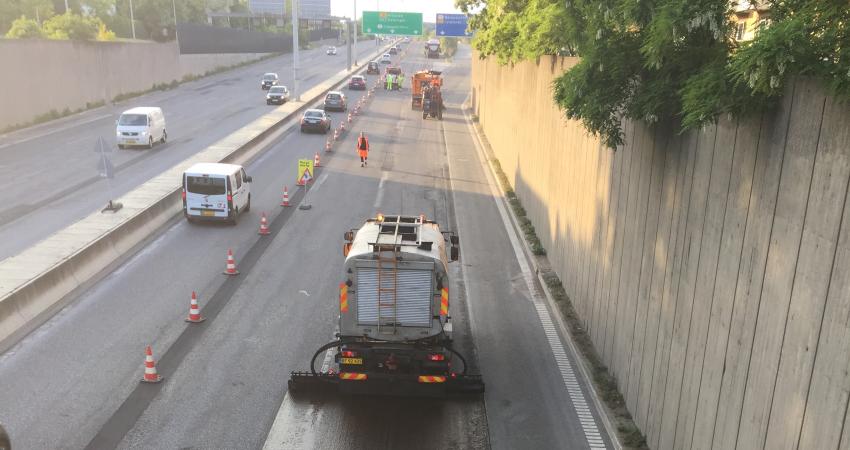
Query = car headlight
x=143 y=133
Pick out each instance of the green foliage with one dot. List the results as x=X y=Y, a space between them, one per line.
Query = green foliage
x=449 y=45
x=23 y=28
x=11 y=10
x=104 y=34
x=671 y=60
x=71 y=26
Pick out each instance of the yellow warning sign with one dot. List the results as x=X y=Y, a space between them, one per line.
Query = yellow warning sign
x=305 y=171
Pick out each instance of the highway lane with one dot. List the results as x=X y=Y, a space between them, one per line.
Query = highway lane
x=226 y=379
x=49 y=174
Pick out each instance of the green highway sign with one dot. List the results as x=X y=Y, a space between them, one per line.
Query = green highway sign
x=400 y=23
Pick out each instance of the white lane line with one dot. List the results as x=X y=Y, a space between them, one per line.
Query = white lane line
x=56 y=130
x=380 y=197
x=319 y=182
x=567 y=374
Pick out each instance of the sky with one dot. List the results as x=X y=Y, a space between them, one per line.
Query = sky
x=428 y=8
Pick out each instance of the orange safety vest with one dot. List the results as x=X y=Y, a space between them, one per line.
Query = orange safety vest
x=363 y=146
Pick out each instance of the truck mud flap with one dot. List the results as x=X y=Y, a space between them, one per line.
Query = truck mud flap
x=308 y=383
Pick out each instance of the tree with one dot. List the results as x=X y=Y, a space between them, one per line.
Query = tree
x=23 y=28
x=71 y=26
x=666 y=59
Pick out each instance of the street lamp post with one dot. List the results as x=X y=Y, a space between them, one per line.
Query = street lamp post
x=295 y=50
x=132 y=19
x=355 y=33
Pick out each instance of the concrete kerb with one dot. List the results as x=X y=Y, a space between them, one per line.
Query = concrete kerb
x=582 y=363
x=34 y=283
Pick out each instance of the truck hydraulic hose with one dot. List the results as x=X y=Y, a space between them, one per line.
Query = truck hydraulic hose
x=321 y=349
x=462 y=359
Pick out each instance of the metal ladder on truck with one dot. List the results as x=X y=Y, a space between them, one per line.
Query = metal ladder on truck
x=387 y=248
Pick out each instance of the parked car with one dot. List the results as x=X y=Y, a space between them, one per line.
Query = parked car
x=277 y=95
x=216 y=191
x=373 y=69
x=142 y=126
x=315 y=120
x=331 y=50
x=269 y=79
x=357 y=82
x=335 y=101
x=386 y=58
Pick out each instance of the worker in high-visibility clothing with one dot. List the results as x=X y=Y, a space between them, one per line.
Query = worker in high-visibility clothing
x=390 y=79
x=363 y=148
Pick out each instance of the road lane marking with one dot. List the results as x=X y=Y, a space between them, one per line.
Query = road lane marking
x=380 y=197
x=56 y=130
x=563 y=362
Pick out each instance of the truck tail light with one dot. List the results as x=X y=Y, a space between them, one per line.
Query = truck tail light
x=349 y=354
x=436 y=357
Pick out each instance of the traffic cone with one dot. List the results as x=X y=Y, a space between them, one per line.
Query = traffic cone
x=316 y=162
x=285 y=201
x=231 y=264
x=342 y=127
x=194 y=311
x=336 y=135
x=328 y=145
x=150 y=368
x=349 y=117
x=264 y=226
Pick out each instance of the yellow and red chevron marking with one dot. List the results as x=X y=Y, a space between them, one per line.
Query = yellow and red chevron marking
x=343 y=298
x=352 y=376
x=444 y=302
x=432 y=379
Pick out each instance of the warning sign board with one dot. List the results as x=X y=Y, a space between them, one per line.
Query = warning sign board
x=305 y=171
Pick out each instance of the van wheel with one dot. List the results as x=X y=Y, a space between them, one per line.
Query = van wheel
x=150 y=142
x=248 y=205
x=164 y=137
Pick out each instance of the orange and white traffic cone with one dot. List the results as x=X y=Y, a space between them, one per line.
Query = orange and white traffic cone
x=150 y=368
x=231 y=264
x=316 y=162
x=194 y=311
x=336 y=135
x=328 y=145
x=342 y=127
x=349 y=117
x=285 y=201
x=264 y=226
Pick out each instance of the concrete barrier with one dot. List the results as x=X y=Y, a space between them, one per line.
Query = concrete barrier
x=34 y=283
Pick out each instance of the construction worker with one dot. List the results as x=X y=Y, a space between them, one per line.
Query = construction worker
x=363 y=148
x=390 y=78
x=400 y=81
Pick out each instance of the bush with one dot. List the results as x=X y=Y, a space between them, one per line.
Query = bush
x=23 y=28
x=104 y=34
x=71 y=26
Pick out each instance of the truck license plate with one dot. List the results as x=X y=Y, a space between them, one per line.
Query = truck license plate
x=352 y=360
x=207 y=213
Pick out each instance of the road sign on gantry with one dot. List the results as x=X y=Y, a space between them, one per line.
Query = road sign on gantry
x=452 y=25
x=398 y=23
x=305 y=171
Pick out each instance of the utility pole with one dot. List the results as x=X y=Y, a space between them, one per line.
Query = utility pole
x=174 y=9
x=132 y=19
x=295 y=50
x=355 y=33
x=66 y=7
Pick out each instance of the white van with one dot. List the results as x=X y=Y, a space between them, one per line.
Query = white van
x=215 y=191
x=140 y=126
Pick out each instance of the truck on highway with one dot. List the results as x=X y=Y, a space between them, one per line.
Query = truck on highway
x=395 y=330
x=422 y=80
x=432 y=48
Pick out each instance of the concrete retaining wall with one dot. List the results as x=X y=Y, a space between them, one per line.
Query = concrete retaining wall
x=42 y=75
x=711 y=269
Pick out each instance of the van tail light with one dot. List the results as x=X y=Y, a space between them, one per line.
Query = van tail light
x=437 y=357
x=229 y=201
x=229 y=198
x=184 y=195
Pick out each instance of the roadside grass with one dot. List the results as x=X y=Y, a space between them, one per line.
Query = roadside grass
x=605 y=384
x=54 y=114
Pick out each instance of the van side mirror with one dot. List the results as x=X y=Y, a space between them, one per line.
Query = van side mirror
x=249 y=179
x=455 y=253
x=348 y=236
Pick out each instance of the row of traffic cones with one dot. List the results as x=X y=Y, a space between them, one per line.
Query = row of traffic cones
x=151 y=375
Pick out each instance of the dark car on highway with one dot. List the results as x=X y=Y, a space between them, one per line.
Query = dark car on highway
x=357 y=82
x=373 y=68
x=335 y=101
x=269 y=80
x=393 y=51
x=277 y=95
x=315 y=120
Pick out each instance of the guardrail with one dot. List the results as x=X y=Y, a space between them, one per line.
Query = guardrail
x=36 y=283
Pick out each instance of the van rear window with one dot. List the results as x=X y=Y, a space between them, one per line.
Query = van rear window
x=205 y=185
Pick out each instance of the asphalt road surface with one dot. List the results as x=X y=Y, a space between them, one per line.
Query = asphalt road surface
x=73 y=383
x=49 y=173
